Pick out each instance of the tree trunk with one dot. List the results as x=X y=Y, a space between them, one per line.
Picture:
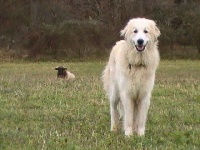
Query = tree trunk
x=185 y=2
x=34 y=5
x=117 y=14
x=141 y=7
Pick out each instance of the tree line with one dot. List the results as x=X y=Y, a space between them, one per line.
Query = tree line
x=82 y=28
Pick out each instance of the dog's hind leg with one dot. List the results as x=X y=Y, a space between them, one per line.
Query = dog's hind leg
x=121 y=110
x=114 y=100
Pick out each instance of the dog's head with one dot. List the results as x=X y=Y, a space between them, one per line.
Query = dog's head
x=61 y=71
x=141 y=33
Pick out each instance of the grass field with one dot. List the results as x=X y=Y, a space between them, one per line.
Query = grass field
x=38 y=111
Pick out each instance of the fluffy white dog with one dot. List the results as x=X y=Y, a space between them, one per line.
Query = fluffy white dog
x=129 y=75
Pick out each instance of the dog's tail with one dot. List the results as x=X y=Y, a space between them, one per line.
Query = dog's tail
x=106 y=78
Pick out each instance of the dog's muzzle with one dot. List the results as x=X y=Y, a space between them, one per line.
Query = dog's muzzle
x=140 y=45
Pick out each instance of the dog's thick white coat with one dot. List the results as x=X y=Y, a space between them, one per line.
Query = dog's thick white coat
x=129 y=75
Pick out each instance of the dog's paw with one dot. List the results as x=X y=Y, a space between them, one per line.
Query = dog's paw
x=128 y=131
x=140 y=131
x=114 y=128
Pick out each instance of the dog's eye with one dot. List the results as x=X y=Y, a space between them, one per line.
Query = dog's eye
x=135 y=31
x=145 y=31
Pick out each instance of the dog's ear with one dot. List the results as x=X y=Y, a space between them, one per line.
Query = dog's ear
x=155 y=30
x=124 y=31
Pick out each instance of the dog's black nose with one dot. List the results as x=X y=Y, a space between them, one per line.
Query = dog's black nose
x=140 y=41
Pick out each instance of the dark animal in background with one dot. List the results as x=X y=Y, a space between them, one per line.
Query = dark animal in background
x=63 y=73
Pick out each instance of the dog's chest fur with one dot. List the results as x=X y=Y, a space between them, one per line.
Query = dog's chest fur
x=137 y=80
x=136 y=75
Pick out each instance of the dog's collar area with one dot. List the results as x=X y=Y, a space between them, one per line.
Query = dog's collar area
x=138 y=65
x=129 y=66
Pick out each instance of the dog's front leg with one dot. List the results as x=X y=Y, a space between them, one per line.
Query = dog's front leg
x=128 y=114
x=141 y=117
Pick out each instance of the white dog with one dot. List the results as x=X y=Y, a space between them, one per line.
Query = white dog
x=129 y=75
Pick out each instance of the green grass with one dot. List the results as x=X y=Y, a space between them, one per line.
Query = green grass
x=38 y=111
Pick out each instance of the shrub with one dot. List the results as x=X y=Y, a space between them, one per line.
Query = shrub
x=69 y=39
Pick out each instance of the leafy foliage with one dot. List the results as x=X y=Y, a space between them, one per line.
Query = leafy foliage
x=77 y=28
